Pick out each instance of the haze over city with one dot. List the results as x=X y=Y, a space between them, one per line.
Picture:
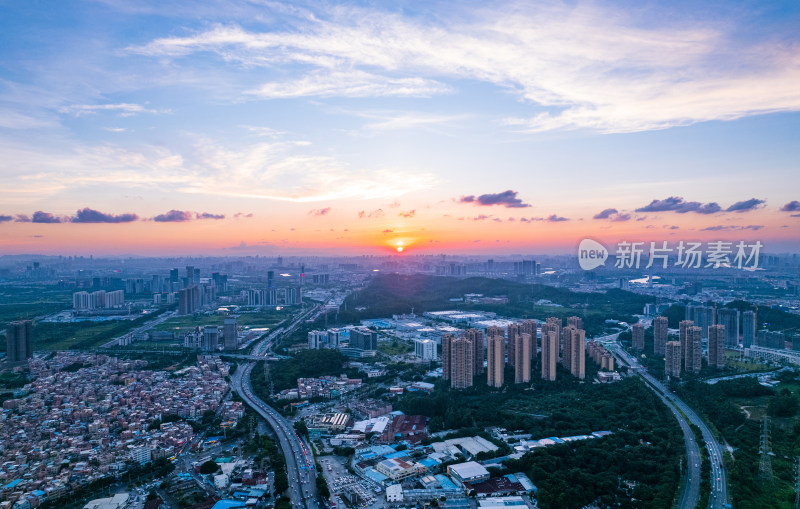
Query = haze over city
x=241 y=128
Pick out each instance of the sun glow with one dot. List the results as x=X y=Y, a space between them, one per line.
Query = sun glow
x=399 y=249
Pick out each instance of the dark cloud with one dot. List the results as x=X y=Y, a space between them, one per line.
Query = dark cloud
x=553 y=218
x=679 y=205
x=409 y=213
x=173 y=216
x=605 y=214
x=87 y=215
x=319 y=212
x=506 y=199
x=718 y=228
x=45 y=217
x=207 y=215
x=3 y=219
x=792 y=206
x=746 y=205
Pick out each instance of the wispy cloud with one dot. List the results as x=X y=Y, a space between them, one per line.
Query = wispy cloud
x=208 y=215
x=174 y=216
x=124 y=109
x=408 y=213
x=506 y=199
x=681 y=206
x=319 y=212
x=595 y=67
x=719 y=228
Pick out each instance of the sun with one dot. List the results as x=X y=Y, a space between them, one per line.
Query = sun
x=399 y=249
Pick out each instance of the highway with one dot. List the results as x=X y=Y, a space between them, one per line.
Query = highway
x=691 y=493
x=299 y=459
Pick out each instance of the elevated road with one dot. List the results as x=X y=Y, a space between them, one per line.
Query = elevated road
x=299 y=460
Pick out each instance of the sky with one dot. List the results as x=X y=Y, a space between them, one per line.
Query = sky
x=264 y=127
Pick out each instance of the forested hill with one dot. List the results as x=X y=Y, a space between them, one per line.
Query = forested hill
x=389 y=294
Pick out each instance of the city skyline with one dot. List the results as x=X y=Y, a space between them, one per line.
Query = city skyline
x=350 y=128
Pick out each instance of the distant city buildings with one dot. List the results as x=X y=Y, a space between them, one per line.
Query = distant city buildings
x=101 y=299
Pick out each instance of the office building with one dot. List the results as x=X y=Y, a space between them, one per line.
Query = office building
x=363 y=338
x=425 y=349
x=479 y=345
x=673 y=358
x=317 y=339
x=660 y=333
x=522 y=359
x=230 y=334
x=693 y=349
x=334 y=336
x=495 y=364
x=19 y=341
x=730 y=319
x=549 y=351
x=461 y=363
x=748 y=328
x=638 y=336
x=716 y=346
x=211 y=338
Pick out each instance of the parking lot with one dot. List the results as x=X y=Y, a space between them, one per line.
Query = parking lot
x=341 y=482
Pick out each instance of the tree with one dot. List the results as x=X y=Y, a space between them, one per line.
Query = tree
x=301 y=428
x=209 y=467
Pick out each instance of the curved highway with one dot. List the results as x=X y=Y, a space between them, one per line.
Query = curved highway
x=299 y=460
x=690 y=496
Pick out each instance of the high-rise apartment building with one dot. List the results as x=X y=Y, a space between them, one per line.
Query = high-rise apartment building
x=496 y=331
x=575 y=321
x=447 y=340
x=702 y=316
x=693 y=349
x=730 y=319
x=479 y=346
x=748 y=328
x=522 y=358
x=19 y=341
x=638 y=336
x=660 y=333
x=673 y=358
x=461 y=363
x=716 y=346
x=683 y=327
x=529 y=327
x=210 y=338
x=495 y=364
x=316 y=339
x=511 y=343
x=550 y=338
x=577 y=351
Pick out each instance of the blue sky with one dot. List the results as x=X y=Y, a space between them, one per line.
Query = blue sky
x=282 y=108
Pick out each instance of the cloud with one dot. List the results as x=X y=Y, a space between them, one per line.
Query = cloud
x=506 y=199
x=409 y=213
x=242 y=214
x=792 y=206
x=587 y=65
x=319 y=212
x=207 y=215
x=174 y=216
x=45 y=217
x=621 y=217
x=87 y=215
x=679 y=205
x=375 y=213
x=605 y=214
x=717 y=228
x=553 y=218
x=387 y=231
x=22 y=218
x=4 y=219
x=125 y=109
x=746 y=205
